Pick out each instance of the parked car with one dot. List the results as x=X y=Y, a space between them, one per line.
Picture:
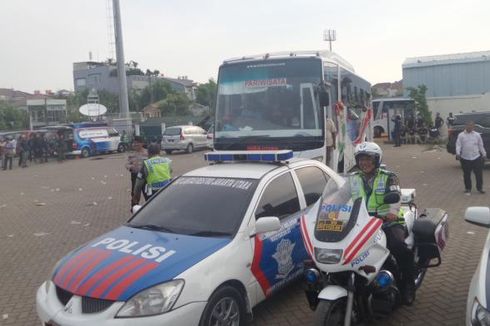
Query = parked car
x=166 y=265
x=478 y=305
x=186 y=138
x=482 y=126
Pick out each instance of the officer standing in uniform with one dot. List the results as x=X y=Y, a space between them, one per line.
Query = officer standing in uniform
x=156 y=171
x=372 y=183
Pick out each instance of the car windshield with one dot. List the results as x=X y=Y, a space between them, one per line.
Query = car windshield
x=337 y=213
x=172 y=132
x=201 y=206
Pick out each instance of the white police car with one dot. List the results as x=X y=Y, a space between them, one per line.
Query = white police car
x=478 y=304
x=204 y=251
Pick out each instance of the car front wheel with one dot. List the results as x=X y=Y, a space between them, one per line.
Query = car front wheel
x=225 y=307
x=85 y=152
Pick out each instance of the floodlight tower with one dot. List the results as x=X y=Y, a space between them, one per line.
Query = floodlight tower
x=330 y=35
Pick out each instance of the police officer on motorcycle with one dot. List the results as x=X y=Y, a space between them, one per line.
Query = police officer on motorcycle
x=156 y=171
x=372 y=183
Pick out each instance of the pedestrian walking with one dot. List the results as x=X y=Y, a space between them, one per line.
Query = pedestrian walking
x=330 y=135
x=450 y=120
x=135 y=161
x=3 y=142
x=61 y=147
x=471 y=153
x=24 y=151
x=397 y=130
x=9 y=153
x=156 y=171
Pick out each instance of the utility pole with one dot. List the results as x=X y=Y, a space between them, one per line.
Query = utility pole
x=124 y=123
x=330 y=36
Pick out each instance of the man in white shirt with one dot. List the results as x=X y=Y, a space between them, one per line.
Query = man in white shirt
x=472 y=154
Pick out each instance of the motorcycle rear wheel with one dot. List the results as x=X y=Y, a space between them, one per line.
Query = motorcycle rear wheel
x=330 y=312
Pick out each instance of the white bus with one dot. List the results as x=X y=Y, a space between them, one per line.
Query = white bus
x=385 y=109
x=280 y=101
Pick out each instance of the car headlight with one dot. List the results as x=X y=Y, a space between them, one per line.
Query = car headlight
x=328 y=256
x=479 y=315
x=155 y=300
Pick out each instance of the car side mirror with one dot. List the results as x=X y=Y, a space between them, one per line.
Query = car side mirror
x=135 y=209
x=479 y=215
x=266 y=224
x=391 y=198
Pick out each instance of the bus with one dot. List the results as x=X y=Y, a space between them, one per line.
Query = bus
x=385 y=109
x=281 y=100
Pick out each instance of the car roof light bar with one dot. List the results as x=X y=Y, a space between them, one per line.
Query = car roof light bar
x=249 y=156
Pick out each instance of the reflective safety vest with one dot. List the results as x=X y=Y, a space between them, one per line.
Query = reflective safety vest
x=159 y=173
x=375 y=201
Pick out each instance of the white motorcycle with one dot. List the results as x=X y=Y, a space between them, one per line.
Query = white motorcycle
x=352 y=277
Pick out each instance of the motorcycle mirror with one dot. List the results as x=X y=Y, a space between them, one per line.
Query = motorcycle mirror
x=391 y=198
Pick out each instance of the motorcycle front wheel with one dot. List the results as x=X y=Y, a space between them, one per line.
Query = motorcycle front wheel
x=330 y=312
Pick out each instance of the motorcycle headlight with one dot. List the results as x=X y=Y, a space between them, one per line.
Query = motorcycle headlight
x=479 y=315
x=156 y=300
x=328 y=256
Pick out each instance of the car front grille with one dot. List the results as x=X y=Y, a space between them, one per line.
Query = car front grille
x=89 y=305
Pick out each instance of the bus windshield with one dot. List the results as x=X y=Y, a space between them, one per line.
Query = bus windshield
x=273 y=101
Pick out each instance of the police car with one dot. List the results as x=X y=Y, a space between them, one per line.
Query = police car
x=478 y=304
x=205 y=250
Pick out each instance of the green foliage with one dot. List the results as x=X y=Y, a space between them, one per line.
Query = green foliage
x=155 y=92
x=418 y=95
x=175 y=104
x=206 y=94
x=12 y=118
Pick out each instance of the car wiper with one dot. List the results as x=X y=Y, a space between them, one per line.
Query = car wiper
x=152 y=227
x=211 y=234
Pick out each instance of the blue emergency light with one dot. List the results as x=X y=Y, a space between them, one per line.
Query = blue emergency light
x=249 y=156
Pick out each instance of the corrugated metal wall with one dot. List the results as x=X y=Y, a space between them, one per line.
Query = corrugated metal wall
x=449 y=80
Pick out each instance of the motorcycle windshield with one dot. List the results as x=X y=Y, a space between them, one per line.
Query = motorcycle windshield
x=338 y=212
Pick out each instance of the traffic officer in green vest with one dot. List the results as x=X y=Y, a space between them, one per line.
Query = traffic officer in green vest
x=156 y=171
x=372 y=183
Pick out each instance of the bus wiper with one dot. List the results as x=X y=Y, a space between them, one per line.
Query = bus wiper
x=152 y=227
x=211 y=234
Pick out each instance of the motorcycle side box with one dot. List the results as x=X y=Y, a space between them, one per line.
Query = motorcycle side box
x=431 y=232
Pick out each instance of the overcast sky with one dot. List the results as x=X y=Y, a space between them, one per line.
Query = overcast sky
x=40 y=40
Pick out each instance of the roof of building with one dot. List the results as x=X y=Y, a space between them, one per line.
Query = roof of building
x=446 y=59
x=184 y=82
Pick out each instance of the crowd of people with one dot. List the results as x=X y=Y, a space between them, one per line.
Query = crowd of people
x=414 y=130
x=33 y=148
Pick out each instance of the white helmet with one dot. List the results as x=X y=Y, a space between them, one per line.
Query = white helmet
x=371 y=149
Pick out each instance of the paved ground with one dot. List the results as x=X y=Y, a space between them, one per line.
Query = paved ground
x=48 y=210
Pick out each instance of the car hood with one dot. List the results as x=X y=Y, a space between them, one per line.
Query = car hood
x=123 y=262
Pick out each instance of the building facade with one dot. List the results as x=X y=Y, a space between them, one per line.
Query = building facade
x=103 y=76
x=46 y=112
x=455 y=82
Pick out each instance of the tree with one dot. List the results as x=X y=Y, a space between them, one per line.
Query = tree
x=12 y=118
x=206 y=94
x=175 y=104
x=418 y=95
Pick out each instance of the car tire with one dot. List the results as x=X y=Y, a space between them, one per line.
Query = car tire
x=168 y=151
x=85 y=152
x=225 y=307
x=121 y=148
x=190 y=148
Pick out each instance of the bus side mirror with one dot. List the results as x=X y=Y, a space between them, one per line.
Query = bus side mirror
x=323 y=95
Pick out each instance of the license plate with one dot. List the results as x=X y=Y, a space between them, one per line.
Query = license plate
x=334 y=226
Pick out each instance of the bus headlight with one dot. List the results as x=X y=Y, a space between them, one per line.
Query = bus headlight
x=156 y=300
x=328 y=256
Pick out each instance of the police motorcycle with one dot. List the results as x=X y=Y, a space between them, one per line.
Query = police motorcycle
x=352 y=277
